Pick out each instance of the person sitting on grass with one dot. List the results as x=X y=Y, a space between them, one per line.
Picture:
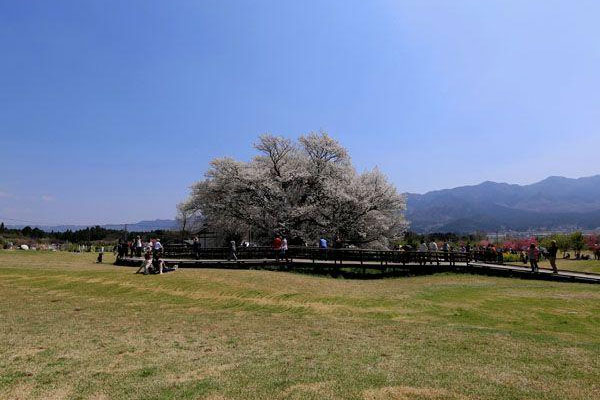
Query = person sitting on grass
x=164 y=268
x=100 y=255
x=158 y=264
x=147 y=263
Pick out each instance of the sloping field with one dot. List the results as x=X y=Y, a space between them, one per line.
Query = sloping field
x=74 y=329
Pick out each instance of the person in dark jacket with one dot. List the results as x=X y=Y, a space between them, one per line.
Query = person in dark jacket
x=552 y=250
x=196 y=247
x=121 y=247
x=100 y=254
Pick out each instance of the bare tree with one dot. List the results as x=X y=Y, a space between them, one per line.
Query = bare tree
x=188 y=217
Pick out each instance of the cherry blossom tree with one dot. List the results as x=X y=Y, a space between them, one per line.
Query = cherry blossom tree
x=306 y=189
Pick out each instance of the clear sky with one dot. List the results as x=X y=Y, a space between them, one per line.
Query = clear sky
x=109 y=110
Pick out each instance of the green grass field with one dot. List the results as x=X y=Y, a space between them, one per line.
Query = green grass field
x=76 y=330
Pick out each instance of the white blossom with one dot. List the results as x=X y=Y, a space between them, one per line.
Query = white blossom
x=306 y=190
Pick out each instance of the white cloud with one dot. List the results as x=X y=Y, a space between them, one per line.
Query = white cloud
x=47 y=197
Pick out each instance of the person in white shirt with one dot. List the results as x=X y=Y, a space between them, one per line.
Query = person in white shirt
x=433 y=248
x=422 y=250
x=283 y=249
x=138 y=247
x=157 y=249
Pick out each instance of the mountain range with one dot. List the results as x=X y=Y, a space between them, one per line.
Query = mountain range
x=553 y=203
x=141 y=226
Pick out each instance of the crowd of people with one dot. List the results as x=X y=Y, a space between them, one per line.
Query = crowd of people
x=136 y=247
x=492 y=254
x=279 y=245
x=151 y=251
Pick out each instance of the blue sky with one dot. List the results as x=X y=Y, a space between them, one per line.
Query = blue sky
x=109 y=110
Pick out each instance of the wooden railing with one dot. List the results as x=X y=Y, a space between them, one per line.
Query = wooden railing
x=317 y=254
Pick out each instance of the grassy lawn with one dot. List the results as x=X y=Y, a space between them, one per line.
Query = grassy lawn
x=74 y=329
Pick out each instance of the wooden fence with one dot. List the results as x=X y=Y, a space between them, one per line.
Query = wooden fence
x=182 y=251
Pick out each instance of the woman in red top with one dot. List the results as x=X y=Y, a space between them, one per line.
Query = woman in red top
x=277 y=247
x=533 y=257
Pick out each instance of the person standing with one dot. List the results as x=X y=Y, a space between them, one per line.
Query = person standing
x=232 y=251
x=446 y=250
x=433 y=249
x=122 y=247
x=552 y=250
x=323 y=247
x=422 y=250
x=468 y=251
x=323 y=243
x=533 y=257
x=157 y=249
x=196 y=247
x=277 y=247
x=138 y=246
x=283 y=251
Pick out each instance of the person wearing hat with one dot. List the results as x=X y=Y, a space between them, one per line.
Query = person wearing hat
x=157 y=249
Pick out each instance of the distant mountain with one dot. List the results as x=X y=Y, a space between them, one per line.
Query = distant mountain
x=553 y=203
x=141 y=226
x=146 y=226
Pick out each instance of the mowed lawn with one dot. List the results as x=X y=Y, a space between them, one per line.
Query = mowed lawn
x=74 y=329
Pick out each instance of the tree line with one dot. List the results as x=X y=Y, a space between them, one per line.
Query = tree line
x=80 y=236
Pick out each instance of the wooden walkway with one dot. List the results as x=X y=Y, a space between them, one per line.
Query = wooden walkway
x=525 y=272
x=364 y=269
x=374 y=269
